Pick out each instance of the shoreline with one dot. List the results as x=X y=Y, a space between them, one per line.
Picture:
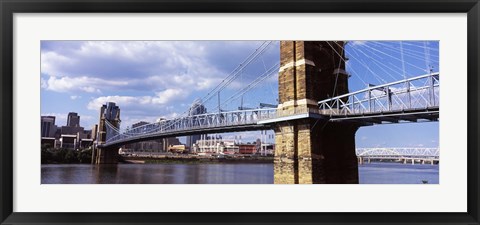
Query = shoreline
x=194 y=160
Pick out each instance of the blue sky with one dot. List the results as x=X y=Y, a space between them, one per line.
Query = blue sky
x=153 y=79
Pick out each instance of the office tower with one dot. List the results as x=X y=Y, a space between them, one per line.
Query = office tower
x=48 y=127
x=73 y=120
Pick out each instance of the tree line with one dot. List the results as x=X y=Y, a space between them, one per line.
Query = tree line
x=61 y=155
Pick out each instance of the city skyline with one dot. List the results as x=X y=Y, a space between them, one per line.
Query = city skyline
x=149 y=80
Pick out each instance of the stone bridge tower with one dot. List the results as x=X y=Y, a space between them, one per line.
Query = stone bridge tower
x=310 y=149
x=111 y=113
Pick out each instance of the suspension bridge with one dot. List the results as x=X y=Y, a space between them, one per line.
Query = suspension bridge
x=315 y=118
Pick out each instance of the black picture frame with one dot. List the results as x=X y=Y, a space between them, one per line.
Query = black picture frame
x=9 y=7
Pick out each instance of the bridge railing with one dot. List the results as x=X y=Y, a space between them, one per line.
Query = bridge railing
x=278 y=113
x=200 y=121
x=399 y=152
x=420 y=92
x=208 y=120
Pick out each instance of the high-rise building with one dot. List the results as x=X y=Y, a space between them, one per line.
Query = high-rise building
x=48 y=127
x=110 y=113
x=139 y=124
x=71 y=130
x=73 y=119
x=73 y=124
x=196 y=109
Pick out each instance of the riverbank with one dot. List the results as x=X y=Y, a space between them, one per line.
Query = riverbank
x=194 y=160
x=65 y=156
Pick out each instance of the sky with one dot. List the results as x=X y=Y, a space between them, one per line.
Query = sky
x=153 y=79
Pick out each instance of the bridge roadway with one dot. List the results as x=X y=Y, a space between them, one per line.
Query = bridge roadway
x=263 y=119
x=411 y=100
x=185 y=132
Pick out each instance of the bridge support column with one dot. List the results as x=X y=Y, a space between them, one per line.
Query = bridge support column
x=106 y=156
x=94 y=154
x=312 y=153
x=308 y=149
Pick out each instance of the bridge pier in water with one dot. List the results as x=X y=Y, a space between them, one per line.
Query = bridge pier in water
x=105 y=156
x=311 y=149
x=360 y=160
x=309 y=153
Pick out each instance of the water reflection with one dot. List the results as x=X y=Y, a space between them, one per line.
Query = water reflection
x=375 y=173
x=158 y=174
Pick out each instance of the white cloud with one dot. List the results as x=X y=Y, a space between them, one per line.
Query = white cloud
x=142 y=50
x=169 y=95
x=92 y=66
x=74 y=97
x=53 y=63
x=171 y=115
x=97 y=85
x=96 y=103
x=84 y=84
x=181 y=81
x=156 y=103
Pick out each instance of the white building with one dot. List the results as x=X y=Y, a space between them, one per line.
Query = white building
x=213 y=145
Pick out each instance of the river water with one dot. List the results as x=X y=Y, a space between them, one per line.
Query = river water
x=235 y=173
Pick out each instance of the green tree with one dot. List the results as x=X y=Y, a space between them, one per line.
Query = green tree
x=47 y=156
x=70 y=156
x=84 y=156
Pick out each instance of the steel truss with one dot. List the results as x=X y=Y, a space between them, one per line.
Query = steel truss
x=203 y=122
x=408 y=100
x=430 y=153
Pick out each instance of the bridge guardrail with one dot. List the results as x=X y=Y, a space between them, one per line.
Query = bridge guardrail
x=201 y=121
x=419 y=92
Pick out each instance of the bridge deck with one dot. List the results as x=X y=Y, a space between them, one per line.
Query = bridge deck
x=412 y=100
x=394 y=116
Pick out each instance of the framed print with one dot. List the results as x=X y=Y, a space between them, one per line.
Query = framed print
x=239 y=112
